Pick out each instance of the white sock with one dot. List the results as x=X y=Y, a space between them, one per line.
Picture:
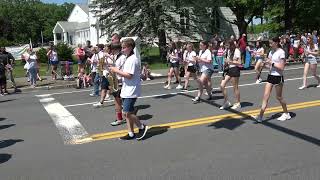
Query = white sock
x=131 y=134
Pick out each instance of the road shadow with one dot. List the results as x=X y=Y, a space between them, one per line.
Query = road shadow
x=145 y=117
x=9 y=142
x=216 y=91
x=166 y=96
x=154 y=131
x=246 y=104
x=312 y=85
x=8 y=100
x=277 y=127
x=6 y=126
x=4 y=158
x=2 y=119
x=227 y=123
x=144 y=106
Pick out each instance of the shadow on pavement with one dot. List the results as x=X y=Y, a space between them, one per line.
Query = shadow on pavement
x=227 y=123
x=4 y=158
x=145 y=117
x=9 y=142
x=246 y=104
x=154 y=131
x=165 y=96
x=145 y=106
x=282 y=129
x=2 y=119
x=8 y=100
x=6 y=126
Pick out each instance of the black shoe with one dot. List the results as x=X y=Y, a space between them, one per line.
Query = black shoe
x=127 y=137
x=142 y=133
x=177 y=82
x=184 y=89
x=209 y=98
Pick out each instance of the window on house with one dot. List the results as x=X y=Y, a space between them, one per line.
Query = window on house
x=184 y=21
x=59 y=37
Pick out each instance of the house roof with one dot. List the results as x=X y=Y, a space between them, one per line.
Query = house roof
x=71 y=26
x=84 y=7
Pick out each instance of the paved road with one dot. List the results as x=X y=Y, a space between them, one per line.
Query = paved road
x=186 y=141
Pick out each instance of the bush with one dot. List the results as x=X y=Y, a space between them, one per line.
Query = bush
x=64 y=52
x=42 y=55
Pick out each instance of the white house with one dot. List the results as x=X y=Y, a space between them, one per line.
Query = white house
x=82 y=25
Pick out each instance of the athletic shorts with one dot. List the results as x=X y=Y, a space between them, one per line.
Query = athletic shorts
x=208 y=72
x=104 y=83
x=275 y=80
x=191 y=69
x=54 y=62
x=174 y=65
x=311 y=60
x=233 y=72
x=128 y=104
x=116 y=94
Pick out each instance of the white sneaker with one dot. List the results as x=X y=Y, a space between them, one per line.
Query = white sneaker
x=258 y=118
x=225 y=105
x=107 y=98
x=318 y=86
x=97 y=105
x=258 y=81
x=148 y=79
x=179 y=87
x=284 y=117
x=236 y=106
x=302 y=87
x=167 y=87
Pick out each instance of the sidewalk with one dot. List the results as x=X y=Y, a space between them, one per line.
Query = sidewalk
x=47 y=83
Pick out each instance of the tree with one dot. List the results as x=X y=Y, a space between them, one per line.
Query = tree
x=151 y=18
x=24 y=19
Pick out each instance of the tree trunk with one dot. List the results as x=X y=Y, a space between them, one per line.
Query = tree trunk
x=162 y=44
x=287 y=15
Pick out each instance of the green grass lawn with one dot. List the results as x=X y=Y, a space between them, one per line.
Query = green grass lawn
x=20 y=72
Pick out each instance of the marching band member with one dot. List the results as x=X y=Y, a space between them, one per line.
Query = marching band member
x=311 y=53
x=258 y=54
x=232 y=73
x=206 y=68
x=131 y=89
x=276 y=62
x=174 y=59
x=118 y=59
x=191 y=64
x=94 y=61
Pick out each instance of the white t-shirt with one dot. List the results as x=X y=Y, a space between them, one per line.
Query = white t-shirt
x=176 y=57
x=189 y=56
x=277 y=57
x=312 y=50
x=205 y=55
x=131 y=88
x=258 y=52
x=32 y=61
x=54 y=56
x=94 y=62
x=236 y=55
x=120 y=63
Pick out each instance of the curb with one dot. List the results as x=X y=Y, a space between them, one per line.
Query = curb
x=71 y=85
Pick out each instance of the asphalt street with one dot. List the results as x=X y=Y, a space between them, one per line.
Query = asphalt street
x=57 y=134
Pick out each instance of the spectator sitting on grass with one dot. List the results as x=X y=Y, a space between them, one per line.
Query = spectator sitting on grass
x=146 y=72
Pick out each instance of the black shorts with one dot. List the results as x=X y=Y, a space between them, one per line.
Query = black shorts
x=3 y=80
x=104 y=83
x=275 y=80
x=233 y=72
x=116 y=94
x=174 y=65
x=192 y=69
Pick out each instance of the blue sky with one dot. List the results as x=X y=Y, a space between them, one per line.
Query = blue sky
x=63 y=1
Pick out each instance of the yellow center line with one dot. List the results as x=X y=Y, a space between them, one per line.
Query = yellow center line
x=204 y=120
